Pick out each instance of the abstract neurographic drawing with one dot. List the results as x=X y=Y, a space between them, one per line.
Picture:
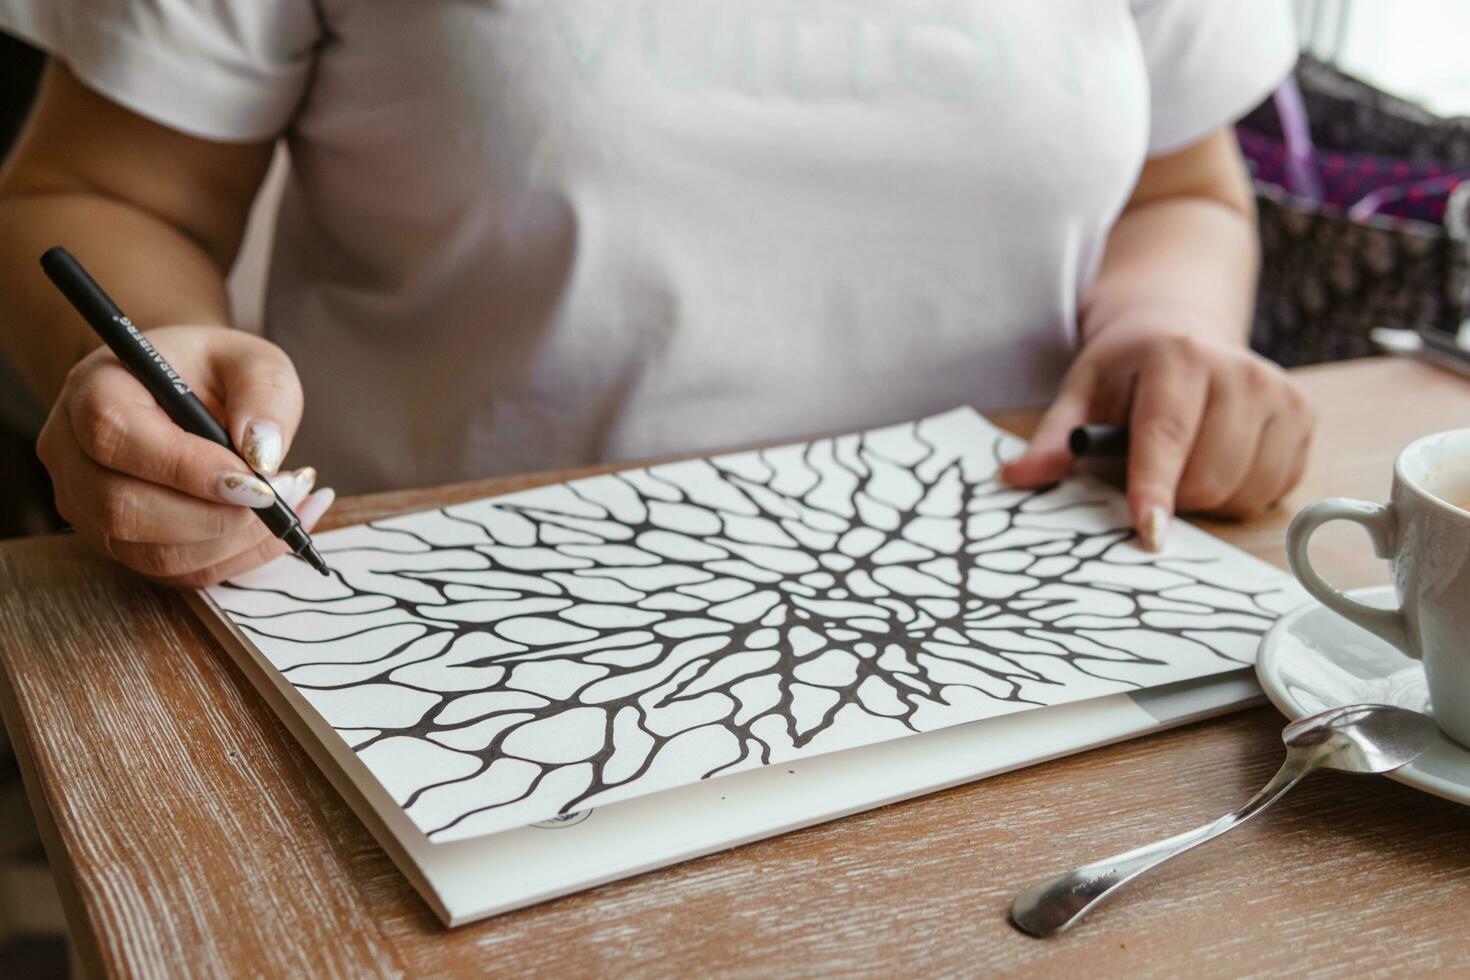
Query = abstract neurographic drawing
x=506 y=661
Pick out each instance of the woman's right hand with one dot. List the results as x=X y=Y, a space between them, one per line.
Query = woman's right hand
x=168 y=504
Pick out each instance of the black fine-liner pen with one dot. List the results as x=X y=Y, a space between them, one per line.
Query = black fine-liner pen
x=1098 y=440
x=164 y=384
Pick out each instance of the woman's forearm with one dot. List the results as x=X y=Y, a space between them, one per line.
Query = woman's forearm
x=1185 y=264
x=1183 y=256
x=155 y=272
x=156 y=215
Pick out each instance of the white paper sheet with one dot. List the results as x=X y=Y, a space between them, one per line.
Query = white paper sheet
x=500 y=662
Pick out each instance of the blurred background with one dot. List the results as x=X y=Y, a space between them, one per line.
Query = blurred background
x=1413 y=48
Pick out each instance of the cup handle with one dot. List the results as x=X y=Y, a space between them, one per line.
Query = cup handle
x=1378 y=521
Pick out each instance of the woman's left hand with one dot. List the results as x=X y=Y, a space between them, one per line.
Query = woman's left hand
x=1212 y=427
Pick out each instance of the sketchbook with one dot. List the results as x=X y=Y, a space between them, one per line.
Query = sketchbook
x=537 y=692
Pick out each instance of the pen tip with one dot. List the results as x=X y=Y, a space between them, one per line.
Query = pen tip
x=314 y=558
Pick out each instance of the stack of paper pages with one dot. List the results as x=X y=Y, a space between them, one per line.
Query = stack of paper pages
x=531 y=694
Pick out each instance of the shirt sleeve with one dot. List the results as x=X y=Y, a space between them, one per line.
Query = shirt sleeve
x=1209 y=62
x=227 y=70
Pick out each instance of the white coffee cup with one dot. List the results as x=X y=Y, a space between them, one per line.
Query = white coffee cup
x=1426 y=539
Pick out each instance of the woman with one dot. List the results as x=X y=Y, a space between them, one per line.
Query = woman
x=522 y=234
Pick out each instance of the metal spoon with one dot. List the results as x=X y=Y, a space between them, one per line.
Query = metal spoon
x=1358 y=738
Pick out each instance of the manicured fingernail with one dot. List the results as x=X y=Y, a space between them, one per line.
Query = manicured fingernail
x=243 y=490
x=315 y=506
x=292 y=486
x=1155 y=528
x=305 y=483
x=262 y=447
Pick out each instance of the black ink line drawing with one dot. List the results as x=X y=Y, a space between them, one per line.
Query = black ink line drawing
x=556 y=648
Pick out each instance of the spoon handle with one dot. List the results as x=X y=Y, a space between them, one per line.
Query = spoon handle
x=1050 y=906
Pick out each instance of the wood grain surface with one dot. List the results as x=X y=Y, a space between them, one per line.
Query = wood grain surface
x=191 y=836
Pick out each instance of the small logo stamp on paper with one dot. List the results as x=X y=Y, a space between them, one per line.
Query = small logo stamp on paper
x=563 y=820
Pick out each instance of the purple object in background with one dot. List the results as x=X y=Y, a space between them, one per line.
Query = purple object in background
x=1360 y=185
x=1300 y=168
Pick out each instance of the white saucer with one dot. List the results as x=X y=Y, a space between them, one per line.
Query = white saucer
x=1313 y=659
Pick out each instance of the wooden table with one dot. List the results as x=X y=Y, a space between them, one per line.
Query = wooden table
x=191 y=835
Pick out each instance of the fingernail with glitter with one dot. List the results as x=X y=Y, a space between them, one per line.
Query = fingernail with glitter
x=305 y=483
x=243 y=490
x=262 y=447
x=1155 y=528
x=292 y=486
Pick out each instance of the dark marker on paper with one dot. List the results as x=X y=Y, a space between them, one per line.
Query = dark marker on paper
x=1099 y=440
x=164 y=384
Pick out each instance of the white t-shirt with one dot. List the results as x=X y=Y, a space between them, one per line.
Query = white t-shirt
x=524 y=234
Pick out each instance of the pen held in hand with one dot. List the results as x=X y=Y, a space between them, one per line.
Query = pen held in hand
x=1098 y=440
x=146 y=364
x=1111 y=441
